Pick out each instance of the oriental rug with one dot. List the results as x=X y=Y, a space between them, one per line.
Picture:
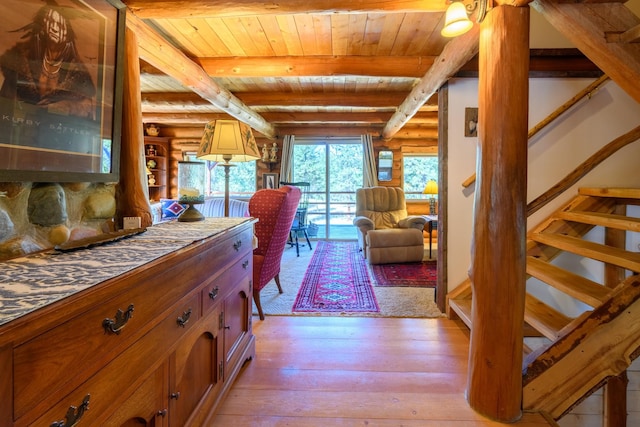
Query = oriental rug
x=336 y=281
x=421 y=274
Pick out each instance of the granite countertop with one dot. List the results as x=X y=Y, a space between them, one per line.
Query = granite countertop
x=32 y=282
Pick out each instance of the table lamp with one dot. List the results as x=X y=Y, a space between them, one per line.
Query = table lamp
x=227 y=141
x=432 y=189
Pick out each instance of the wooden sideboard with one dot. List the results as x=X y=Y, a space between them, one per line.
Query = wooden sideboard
x=159 y=345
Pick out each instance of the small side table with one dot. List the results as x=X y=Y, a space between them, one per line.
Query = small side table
x=430 y=226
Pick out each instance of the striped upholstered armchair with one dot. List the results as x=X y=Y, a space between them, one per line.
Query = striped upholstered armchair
x=275 y=210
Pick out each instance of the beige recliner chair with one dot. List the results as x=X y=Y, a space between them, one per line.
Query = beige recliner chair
x=386 y=234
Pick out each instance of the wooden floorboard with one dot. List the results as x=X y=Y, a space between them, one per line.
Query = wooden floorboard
x=350 y=371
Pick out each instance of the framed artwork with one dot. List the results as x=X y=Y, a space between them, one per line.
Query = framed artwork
x=470 y=122
x=61 y=90
x=270 y=180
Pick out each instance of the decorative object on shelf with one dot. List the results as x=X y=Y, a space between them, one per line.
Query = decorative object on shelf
x=457 y=20
x=150 y=177
x=151 y=164
x=191 y=177
x=268 y=155
x=151 y=150
x=228 y=141
x=274 y=151
x=431 y=189
x=153 y=130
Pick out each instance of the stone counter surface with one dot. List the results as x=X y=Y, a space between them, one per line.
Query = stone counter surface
x=32 y=282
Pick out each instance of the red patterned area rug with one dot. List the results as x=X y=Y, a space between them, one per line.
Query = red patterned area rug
x=336 y=281
x=420 y=274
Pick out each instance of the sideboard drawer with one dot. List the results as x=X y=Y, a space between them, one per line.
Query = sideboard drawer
x=110 y=386
x=229 y=249
x=220 y=285
x=67 y=355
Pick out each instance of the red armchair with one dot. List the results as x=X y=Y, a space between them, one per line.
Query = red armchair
x=275 y=210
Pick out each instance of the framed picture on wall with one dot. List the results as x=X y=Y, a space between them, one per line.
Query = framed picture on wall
x=270 y=180
x=61 y=90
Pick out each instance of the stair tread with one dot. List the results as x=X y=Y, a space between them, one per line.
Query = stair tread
x=462 y=307
x=621 y=193
x=544 y=318
x=608 y=254
x=619 y=222
x=585 y=290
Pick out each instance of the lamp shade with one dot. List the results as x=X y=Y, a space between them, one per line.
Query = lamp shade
x=229 y=141
x=431 y=187
x=456 y=21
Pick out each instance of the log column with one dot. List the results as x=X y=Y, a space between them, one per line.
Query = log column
x=132 y=196
x=497 y=272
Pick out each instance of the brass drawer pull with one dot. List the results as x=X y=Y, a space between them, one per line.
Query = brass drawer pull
x=114 y=326
x=214 y=293
x=73 y=414
x=237 y=245
x=184 y=319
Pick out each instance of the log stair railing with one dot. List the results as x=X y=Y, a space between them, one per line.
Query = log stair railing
x=563 y=362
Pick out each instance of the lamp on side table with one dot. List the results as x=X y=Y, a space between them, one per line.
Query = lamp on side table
x=431 y=189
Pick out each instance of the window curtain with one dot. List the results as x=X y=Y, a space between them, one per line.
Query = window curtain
x=286 y=162
x=370 y=170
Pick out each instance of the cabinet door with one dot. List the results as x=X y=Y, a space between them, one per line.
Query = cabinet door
x=195 y=377
x=237 y=322
x=147 y=406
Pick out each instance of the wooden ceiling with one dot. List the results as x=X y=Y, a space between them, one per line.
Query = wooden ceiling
x=308 y=65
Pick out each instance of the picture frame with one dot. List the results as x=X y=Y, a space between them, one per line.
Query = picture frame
x=270 y=180
x=470 y=122
x=61 y=121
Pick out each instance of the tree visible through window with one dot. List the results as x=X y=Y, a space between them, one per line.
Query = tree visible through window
x=418 y=170
x=242 y=178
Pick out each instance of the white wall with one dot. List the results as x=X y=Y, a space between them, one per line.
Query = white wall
x=553 y=153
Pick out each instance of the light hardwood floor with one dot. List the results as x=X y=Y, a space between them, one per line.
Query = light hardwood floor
x=355 y=371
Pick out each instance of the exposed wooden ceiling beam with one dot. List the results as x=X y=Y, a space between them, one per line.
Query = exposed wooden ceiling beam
x=408 y=134
x=583 y=24
x=548 y=63
x=190 y=100
x=298 y=66
x=424 y=119
x=158 y=52
x=542 y=62
x=155 y=9
x=455 y=54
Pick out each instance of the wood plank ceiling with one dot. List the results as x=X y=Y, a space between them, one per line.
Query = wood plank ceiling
x=306 y=65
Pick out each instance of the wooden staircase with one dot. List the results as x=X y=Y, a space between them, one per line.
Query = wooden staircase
x=568 y=357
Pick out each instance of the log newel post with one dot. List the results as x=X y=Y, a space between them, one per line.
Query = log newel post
x=498 y=269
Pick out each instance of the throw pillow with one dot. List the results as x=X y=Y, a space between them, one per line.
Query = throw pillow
x=171 y=208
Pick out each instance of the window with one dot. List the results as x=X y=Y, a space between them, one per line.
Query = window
x=335 y=170
x=242 y=177
x=418 y=170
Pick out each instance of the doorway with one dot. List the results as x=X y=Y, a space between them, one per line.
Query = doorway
x=334 y=168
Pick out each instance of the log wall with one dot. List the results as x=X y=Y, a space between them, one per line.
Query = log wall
x=187 y=139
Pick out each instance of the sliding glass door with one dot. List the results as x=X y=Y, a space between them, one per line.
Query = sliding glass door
x=335 y=170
